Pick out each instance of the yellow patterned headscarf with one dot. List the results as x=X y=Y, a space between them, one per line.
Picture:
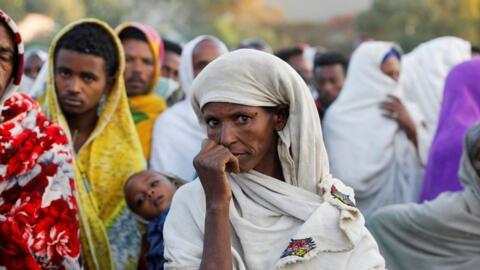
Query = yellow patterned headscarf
x=110 y=155
x=146 y=108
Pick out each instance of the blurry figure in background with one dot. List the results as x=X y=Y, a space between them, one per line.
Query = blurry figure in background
x=254 y=43
x=168 y=85
x=148 y=195
x=39 y=86
x=460 y=110
x=371 y=152
x=295 y=58
x=39 y=227
x=143 y=58
x=441 y=234
x=34 y=60
x=424 y=71
x=393 y=106
x=177 y=134
x=330 y=72
x=86 y=96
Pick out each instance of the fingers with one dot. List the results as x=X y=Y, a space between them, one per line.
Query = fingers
x=232 y=165
x=208 y=144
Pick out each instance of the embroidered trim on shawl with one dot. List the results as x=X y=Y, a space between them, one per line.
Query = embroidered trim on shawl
x=299 y=247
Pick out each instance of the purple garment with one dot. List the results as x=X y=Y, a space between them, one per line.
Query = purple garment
x=460 y=111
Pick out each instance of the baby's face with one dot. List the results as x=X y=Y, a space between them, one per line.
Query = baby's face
x=148 y=194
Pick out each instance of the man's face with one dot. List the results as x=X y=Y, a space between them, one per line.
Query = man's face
x=329 y=82
x=80 y=81
x=301 y=65
x=204 y=53
x=7 y=56
x=171 y=63
x=140 y=66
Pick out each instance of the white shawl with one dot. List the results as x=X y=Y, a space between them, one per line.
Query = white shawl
x=266 y=214
x=442 y=234
x=368 y=151
x=177 y=136
x=423 y=75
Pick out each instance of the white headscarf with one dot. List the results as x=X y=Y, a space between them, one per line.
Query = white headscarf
x=177 y=136
x=423 y=75
x=272 y=220
x=368 y=151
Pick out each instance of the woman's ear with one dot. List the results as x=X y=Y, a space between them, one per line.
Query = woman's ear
x=281 y=117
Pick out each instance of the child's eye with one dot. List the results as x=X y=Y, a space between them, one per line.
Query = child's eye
x=154 y=183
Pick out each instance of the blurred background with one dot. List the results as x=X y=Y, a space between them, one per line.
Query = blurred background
x=332 y=24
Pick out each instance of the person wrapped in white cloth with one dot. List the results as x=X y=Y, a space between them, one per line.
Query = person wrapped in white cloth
x=265 y=198
x=370 y=132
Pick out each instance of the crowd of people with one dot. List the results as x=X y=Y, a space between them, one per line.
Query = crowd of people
x=123 y=150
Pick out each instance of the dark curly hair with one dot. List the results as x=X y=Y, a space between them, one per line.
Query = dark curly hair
x=91 y=38
x=331 y=58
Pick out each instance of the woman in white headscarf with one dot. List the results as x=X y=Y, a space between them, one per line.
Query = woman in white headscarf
x=424 y=71
x=265 y=198
x=177 y=136
x=371 y=145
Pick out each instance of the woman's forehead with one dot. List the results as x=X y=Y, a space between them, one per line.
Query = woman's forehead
x=213 y=108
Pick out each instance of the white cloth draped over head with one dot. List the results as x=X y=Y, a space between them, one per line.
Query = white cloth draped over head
x=368 y=151
x=441 y=234
x=423 y=75
x=268 y=215
x=177 y=135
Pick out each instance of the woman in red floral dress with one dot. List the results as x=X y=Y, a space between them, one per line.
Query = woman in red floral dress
x=39 y=227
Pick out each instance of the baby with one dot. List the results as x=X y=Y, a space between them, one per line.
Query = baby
x=148 y=195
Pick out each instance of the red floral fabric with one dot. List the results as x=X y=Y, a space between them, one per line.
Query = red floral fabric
x=39 y=227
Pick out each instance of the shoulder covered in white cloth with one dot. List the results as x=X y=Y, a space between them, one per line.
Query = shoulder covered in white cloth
x=184 y=232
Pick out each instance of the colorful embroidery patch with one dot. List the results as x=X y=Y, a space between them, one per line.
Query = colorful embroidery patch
x=299 y=247
x=344 y=198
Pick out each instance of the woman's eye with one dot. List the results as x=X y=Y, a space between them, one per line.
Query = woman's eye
x=242 y=119
x=212 y=122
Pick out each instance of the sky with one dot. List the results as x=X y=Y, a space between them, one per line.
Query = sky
x=319 y=10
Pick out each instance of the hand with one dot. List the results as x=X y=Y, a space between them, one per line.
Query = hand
x=212 y=163
x=394 y=109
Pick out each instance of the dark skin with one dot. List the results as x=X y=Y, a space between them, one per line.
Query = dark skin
x=80 y=82
x=149 y=193
x=240 y=138
x=139 y=66
x=329 y=82
x=170 y=66
x=7 y=55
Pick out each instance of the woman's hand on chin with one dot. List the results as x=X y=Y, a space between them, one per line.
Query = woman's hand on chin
x=212 y=163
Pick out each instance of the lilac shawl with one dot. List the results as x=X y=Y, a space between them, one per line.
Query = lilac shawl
x=460 y=111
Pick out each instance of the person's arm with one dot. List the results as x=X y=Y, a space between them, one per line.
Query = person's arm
x=211 y=165
x=395 y=110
